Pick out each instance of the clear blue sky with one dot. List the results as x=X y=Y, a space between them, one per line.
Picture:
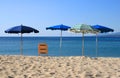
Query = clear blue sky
x=40 y=14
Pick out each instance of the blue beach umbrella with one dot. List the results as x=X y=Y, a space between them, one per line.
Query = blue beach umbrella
x=21 y=29
x=60 y=27
x=102 y=29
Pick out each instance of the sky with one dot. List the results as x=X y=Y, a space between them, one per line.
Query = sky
x=40 y=14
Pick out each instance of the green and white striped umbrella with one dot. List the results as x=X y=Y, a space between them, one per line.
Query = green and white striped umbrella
x=84 y=29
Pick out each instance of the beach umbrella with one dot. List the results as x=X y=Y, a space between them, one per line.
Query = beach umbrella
x=60 y=27
x=21 y=29
x=84 y=29
x=102 y=29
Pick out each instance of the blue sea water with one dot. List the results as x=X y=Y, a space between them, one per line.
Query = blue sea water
x=71 y=46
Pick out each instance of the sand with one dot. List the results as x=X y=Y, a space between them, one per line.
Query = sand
x=58 y=67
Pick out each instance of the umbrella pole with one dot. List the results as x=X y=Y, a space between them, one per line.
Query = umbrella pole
x=21 y=46
x=82 y=44
x=61 y=39
x=96 y=45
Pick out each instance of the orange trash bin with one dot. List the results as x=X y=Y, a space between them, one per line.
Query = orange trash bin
x=42 y=48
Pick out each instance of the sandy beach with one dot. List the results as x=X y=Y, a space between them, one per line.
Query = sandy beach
x=58 y=67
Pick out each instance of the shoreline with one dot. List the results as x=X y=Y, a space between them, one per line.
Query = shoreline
x=58 y=56
x=18 y=66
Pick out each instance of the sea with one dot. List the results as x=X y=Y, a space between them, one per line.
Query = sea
x=71 y=46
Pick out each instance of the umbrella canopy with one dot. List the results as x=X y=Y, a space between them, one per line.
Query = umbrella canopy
x=102 y=29
x=84 y=29
x=21 y=29
x=59 y=27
